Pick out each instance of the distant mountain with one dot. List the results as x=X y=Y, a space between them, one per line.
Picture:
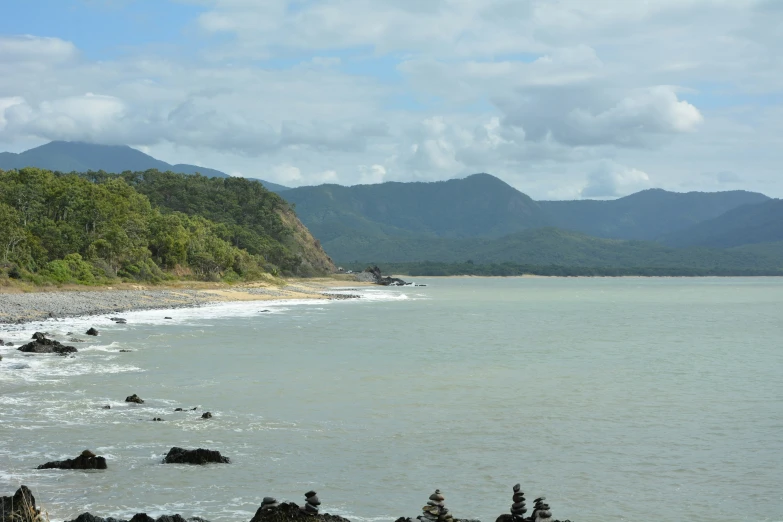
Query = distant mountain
x=486 y=220
x=748 y=224
x=549 y=246
x=645 y=215
x=67 y=156
x=479 y=205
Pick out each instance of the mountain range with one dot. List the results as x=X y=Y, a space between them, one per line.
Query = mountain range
x=66 y=156
x=483 y=219
x=486 y=220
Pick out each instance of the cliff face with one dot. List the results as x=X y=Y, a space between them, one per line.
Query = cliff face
x=314 y=260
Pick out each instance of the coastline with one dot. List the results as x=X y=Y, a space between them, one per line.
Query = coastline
x=18 y=306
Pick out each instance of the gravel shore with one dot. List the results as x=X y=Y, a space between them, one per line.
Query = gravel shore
x=34 y=306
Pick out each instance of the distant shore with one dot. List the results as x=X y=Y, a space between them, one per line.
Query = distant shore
x=35 y=304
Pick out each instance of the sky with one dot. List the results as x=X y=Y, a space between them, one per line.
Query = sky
x=563 y=99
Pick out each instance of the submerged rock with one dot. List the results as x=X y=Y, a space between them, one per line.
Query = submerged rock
x=196 y=456
x=41 y=344
x=20 y=507
x=87 y=460
x=134 y=398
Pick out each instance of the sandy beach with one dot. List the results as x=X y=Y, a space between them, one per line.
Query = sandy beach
x=19 y=305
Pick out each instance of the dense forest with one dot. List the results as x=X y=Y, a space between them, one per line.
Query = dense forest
x=147 y=226
x=469 y=268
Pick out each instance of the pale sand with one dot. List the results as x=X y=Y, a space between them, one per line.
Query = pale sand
x=22 y=304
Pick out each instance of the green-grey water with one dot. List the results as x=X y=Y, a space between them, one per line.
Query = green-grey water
x=618 y=399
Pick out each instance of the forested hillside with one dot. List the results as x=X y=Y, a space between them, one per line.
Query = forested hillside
x=748 y=224
x=479 y=205
x=99 y=227
x=549 y=246
x=71 y=156
x=645 y=215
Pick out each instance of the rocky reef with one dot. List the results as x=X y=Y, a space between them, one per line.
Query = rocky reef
x=373 y=275
x=21 y=507
x=196 y=456
x=87 y=460
x=41 y=344
x=138 y=517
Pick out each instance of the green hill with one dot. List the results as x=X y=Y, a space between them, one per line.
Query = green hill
x=645 y=215
x=548 y=246
x=102 y=227
x=748 y=224
x=65 y=156
x=479 y=205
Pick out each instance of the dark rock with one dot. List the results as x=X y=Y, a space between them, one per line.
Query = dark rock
x=9 y=344
x=92 y=331
x=118 y=320
x=261 y=312
x=178 y=409
x=139 y=517
x=75 y=340
x=20 y=507
x=167 y=317
x=87 y=460
x=157 y=419
x=196 y=456
x=134 y=398
x=170 y=518
x=194 y=408
x=107 y=407
x=290 y=512
x=1 y=342
x=87 y=517
x=379 y=279
x=125 y=351
x=43 y=345
x=142 y=517
x=206 y=415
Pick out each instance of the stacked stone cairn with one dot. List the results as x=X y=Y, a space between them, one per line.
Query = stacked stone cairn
x=311 y=503
x=269 y=503
x=435 y=510
x=518 y=507
x=541 y=512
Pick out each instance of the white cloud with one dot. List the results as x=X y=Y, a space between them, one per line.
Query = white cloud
x=611 y=180
x=372 y=174
x=14 y=49
x=537 y=92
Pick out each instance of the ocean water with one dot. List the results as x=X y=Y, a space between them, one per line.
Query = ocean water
x=618 y=399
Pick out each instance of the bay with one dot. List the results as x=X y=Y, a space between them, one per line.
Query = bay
x=623 y=399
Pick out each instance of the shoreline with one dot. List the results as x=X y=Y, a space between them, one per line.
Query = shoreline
x=18 y=306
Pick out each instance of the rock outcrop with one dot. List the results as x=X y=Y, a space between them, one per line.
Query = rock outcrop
x=41 y=344
x=291 y=512
x=373 y=274
x=20 y=507
x=196 y=456
x=138 y=517
x=134 y=398
x=92 y=331
x=87 y=460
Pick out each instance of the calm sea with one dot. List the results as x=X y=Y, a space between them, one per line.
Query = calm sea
x=618 y=399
